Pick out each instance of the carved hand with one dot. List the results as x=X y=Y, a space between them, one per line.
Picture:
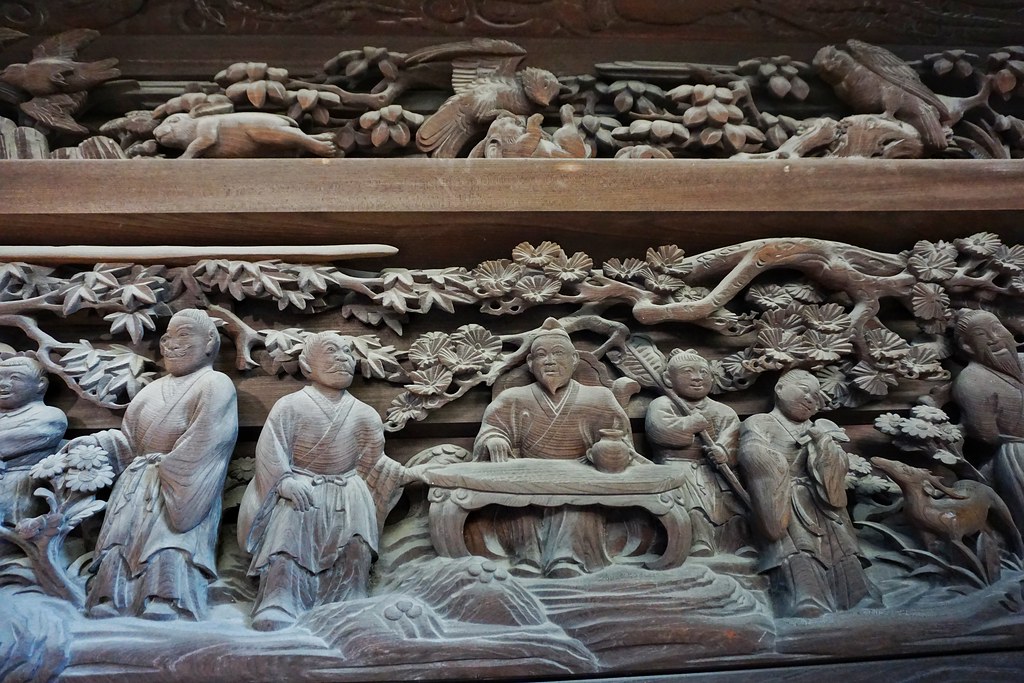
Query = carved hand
x=697 y=422
x=718 y=454
x=499 y=450
x=298 y=490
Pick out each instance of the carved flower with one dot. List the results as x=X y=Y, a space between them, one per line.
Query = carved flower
x=425 y=352
x=768 y=297
x=643 y=152
x=737 y=364
x=889 y=423
x=803 y=291
x=497 y=278
x=687 y=293
x=658 y=132
x=1017 y=284
x=576 y=268
x=1006 y=66
x=597 y=132
x=351 y=66
x=956 y=63
x=873 y=380
x=254 y=83
x=536 y=257
x=824 y=347
x=432 y=381
x=390 y=123
x=668 y=259
x=932 y=265
x=88 y=457
x=980 y=244
x=479 y=338
x=834 y=384
x=1009 y=260
x=49 y=467
x=885 y=344
x=87 y=481
x=929 y=413
x=828 y=318
x=663 y=283
x=463 y=359
x=782 y=76
x=921 y=360
x=778 y=129
x=930 y=301
x=921 y=429
x=788 y=318
x=872 y=483
x=406 y=407
x=950 y=433
x=714 y=119
x=537 y=288
x=242 y=469
x=629 y=269
x=778 y=347
x=945 y=457
x=859 y=464
x=643 y=98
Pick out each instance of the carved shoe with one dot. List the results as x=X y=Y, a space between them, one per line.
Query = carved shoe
x=272 y=619
x=564 y=569
x=157 y=609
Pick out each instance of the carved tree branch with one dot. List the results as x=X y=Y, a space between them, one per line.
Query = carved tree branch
x=244 y=336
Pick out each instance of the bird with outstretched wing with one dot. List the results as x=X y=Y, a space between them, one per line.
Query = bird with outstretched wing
x=486 y=81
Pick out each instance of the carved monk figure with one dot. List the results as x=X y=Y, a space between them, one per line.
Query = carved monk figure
x=715 y=513
x=312 y=514
x=30 y=430
x=990 y=393
x=796 y=471
x=556 y=417
x=155 y=552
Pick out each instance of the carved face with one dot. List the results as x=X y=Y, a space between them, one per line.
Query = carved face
x=331 y=363
x=552 y=361
x=177 y=131
x=798 y=395
x=990 y=343
x=541 y=86
x=185 y=347
x=19 y=386
x=691 y=379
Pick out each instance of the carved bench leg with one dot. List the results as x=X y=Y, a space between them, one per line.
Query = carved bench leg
x=679 y=537
x=447 y=521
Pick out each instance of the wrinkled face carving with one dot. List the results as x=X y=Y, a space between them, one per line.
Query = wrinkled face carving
x=19 y=386
x=798 y=395
x=331 y=363
x=691 y=379
x=552 y=361
x=991 y=344
x=185 y=347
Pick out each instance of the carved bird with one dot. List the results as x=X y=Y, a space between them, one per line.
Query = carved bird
x=486 y=82
x=873 y=80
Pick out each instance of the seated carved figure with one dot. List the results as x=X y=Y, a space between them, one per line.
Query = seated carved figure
x=715 y=513
x=555 y=417
x=796 y=472
x=312 y=514
x=30 y=430
x=156 y=548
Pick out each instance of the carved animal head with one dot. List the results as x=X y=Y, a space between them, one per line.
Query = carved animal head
x=541 y=86
x=14 y=74
x=832 y=64
x=177 y=131
x=907 y=477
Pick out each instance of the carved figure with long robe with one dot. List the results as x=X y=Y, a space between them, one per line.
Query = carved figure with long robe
x=796 y=470
x=312 y=514
x=990 y=393
x=30 y=430
x=556 y=417
x=156 y=549
x=716 y=516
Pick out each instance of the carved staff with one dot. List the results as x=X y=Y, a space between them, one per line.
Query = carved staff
x=723 y=468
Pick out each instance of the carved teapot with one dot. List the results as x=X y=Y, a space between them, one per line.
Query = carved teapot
x=610 y=454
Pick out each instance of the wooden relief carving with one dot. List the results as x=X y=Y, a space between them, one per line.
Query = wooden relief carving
x=475 y=98
x=538 y=466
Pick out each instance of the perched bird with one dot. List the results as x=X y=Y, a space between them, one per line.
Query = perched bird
x=59 y=85
x=486 y=82
x=873 y=80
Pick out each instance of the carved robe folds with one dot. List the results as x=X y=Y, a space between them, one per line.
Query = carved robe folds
x=535 y=426
x=322 y=554
x=27 y=435
x=160 y=532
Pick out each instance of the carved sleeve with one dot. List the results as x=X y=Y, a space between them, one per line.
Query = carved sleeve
x=44 y=430
x=980 y=408
x=767 y=474
x=666 y=427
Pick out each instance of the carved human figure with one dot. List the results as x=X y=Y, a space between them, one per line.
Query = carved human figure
x=30 y=430
x=312 y=514
x=716 y=515
x=796 y=470
x=555 y=417
x=990 y=393
x=156 y=548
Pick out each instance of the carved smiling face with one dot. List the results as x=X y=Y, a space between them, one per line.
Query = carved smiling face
x=691 y=379
x=20 y=383
x=329 y=361
x=185 y=347
x=552 y=361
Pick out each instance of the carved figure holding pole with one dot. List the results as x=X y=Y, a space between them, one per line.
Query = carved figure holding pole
x=156 y=548
x=688 y=429
x=312 y=514
x=796 y=471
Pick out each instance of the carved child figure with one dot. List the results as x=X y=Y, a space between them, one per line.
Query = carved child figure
x=796 y=472
x=156 y=548
x=312 y=514
x=30 y=430
x=715 y=513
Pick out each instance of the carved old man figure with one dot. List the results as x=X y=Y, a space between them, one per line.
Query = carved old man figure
x=990 y=393
x=156 y=550
x=556 y=417
x=30 y=430
x=715 y=513
x=312 y=514
x=796 y=471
